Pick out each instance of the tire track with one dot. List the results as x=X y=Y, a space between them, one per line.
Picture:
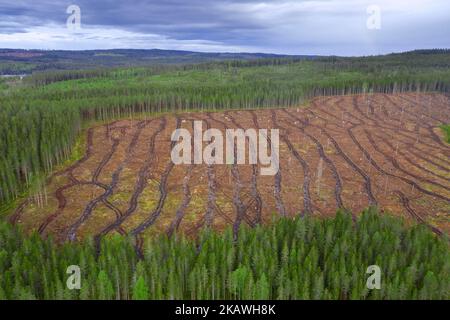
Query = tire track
x=239 y=206
x=184 y=204
x=392 y=160
x=211 y=204
x=59 y=193
x=255 y=193
x=254 y=180
x=140 y=185
x=420 y=107
x=412 y=147
x=405 y=202
x=87 y=154
x=235 y=198
x=105 y=160
x=397 y=131
x=162 y=198
x=395 y=164
x=367 y=180
x=410 y=182
x=406 y=158
x=87 y=212
x=433 y=136
x=174 y=225
x=328 y=161
x=277 y=178
x=307 y=203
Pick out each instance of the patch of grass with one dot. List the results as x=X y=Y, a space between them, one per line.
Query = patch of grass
x=7 y=207
x=77 y=153
x=446 y=129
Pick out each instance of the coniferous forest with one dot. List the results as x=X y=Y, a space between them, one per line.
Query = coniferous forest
x=301 y=258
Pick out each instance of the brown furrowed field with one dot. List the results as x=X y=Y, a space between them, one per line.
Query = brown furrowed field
x=339 y=152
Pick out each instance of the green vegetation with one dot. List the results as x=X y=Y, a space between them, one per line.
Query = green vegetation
x=446 y=129
x=18 y=61
x=13 y=67
x=41 y=120
x=3 y=85
x=301 y=258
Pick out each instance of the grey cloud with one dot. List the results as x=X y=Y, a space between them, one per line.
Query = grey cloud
x=295 y=26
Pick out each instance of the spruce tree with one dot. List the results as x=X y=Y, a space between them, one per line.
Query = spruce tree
x=140 y=290
x=105 y=290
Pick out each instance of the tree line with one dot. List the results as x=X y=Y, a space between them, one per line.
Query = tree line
x=300 y=258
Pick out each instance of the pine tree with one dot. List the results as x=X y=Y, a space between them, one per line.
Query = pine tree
x=238 y=280
x=2 y=294
x=26 y=294
x=85 y=293
x=105 y=290
x=262 y=288
x=140 y=290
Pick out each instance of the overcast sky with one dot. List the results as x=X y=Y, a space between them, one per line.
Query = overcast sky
x=340 y=27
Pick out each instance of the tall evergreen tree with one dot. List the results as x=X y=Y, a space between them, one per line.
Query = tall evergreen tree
x=140 y=290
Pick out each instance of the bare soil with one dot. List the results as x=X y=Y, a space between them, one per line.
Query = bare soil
x=339 y=152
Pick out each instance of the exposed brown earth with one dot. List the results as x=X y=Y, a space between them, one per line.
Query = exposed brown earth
x=340 y=152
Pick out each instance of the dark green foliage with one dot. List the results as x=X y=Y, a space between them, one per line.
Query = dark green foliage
x=446 y=129
x=140 y=290
x=18 y=61
x=302 y=258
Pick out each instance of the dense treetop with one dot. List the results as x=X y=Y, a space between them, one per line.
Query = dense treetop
x=301 y=258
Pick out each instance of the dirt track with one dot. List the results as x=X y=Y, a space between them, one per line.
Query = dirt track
x=340 y=152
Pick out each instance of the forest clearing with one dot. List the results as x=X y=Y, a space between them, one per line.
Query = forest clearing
x=204 y=154
x=339 y=152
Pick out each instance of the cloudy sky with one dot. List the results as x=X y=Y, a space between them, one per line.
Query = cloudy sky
x=341 y=27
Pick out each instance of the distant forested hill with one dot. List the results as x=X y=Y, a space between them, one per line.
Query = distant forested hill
x=18 y=61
